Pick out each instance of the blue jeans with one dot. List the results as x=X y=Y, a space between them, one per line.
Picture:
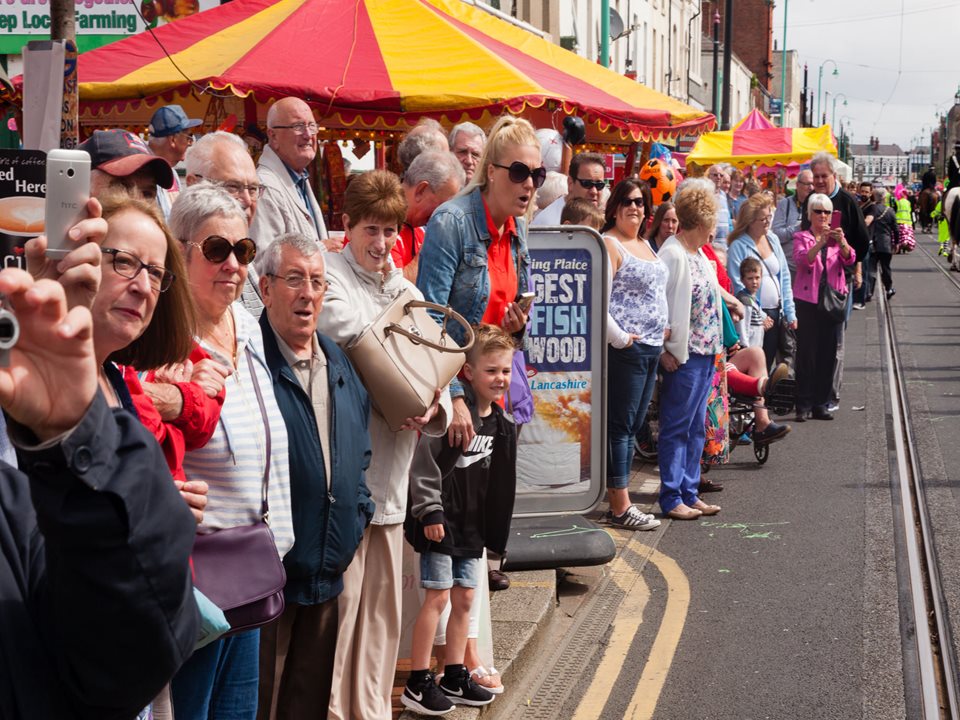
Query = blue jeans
x=631 y=377
x=220 y=680
x=683 y=409
x=442 y=572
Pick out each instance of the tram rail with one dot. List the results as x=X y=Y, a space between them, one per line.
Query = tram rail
x=936 y=662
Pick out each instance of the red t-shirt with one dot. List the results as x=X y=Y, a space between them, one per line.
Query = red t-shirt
x=408 y=244
x=722 y=276
x=500 y=268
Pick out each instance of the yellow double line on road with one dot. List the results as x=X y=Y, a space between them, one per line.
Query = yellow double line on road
x=625 y=627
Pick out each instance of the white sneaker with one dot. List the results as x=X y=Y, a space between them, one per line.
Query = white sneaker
x=634 y=519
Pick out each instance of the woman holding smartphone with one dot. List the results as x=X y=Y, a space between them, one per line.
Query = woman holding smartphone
x=821 y=249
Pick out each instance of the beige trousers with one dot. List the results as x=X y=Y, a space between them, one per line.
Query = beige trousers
x=369 y=635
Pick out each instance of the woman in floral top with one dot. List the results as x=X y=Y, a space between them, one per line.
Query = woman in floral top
x=695 y=338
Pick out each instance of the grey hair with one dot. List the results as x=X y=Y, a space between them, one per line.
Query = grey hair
x=818 y=201
x=426 y=135
x=197 y=204
x=466 y=127
x=199 y=158
x=879 y=195
x=824 y=158
x=158 y=142
x=437 y=168
x=268 y=262
x=553 y=187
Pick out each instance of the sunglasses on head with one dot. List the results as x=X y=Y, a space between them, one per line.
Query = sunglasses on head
x=627 y=202
x=518 y=172
x=217 y=249
x=595 y=184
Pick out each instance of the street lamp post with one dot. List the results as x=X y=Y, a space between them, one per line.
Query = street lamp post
x=836 y=71
x=823 y=119
x=783 y=67
x=833 y=115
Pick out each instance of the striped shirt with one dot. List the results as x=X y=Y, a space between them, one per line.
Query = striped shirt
x=232 y=463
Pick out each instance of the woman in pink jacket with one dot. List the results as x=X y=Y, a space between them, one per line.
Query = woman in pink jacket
x=813 y=250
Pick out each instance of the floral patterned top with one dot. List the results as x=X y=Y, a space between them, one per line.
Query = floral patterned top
x=705 y=332
x=638 y=298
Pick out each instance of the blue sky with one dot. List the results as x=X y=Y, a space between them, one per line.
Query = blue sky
x=898 y=60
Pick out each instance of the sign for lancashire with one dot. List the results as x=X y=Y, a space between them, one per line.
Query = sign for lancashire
x=98 y=21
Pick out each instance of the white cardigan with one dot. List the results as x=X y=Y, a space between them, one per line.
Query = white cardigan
x=679 y=296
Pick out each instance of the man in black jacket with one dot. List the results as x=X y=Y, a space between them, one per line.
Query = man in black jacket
x=326 y=411
x=97 y=603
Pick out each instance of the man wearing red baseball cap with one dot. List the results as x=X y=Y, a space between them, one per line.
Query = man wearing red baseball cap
x=120 y=158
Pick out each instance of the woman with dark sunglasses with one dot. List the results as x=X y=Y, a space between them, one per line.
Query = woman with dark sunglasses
x=475 y=259
x=818 y=251
x=636 y=327
x=221 y=679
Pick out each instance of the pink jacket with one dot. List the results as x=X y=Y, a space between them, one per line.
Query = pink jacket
x=806 y=286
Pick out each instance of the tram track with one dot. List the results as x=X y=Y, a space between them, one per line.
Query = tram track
x=927 y=621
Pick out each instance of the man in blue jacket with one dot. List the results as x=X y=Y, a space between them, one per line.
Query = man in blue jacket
x=326 y=411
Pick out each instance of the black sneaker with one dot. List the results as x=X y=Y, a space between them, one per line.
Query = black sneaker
x=424 y=697
x=460 y=689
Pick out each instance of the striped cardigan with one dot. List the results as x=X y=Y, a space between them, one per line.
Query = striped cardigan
x=232 y=462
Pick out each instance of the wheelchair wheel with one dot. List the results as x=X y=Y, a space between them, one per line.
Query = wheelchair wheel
x=761 y=452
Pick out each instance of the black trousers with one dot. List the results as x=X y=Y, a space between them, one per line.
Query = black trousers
x=883 y=261
x=816 y=355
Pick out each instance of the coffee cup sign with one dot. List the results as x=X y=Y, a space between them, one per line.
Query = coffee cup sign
x=22 y=191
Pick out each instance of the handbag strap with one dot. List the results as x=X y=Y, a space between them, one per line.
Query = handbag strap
x=264 y=505
x=765 y=269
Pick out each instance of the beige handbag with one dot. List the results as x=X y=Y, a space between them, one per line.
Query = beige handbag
x=404 y=355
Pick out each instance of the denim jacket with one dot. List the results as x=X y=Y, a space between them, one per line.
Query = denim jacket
x=453 y=261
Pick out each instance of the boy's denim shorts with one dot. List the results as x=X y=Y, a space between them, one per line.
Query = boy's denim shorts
x=442 y=572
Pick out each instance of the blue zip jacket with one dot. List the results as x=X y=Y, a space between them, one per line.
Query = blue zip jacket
x=453 y=261
x=328 y=526
x=743 y=246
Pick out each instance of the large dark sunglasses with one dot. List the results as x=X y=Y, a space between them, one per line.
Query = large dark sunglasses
x=217 y=249
x=595 y=184
x=627 y=202
x=518 y=172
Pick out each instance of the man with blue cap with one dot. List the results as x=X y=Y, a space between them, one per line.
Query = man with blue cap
x=170 y=137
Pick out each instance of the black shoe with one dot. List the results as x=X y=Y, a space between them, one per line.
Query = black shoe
x=460 y=689
x=822 y=414
x=890 y=293
x=424 y=697
x=801 y=416
x=709 y=486
x=497 y=580
x=771 y=433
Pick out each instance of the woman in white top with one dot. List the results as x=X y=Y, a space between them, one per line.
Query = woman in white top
x=221 y=679
x=636 y=324
x=362 y=282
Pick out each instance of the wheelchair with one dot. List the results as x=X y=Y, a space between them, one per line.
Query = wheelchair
x=743 y=418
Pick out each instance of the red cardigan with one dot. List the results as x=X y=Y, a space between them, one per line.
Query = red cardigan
x=191 y=430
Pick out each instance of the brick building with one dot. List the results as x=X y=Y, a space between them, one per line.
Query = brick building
x=752 y=34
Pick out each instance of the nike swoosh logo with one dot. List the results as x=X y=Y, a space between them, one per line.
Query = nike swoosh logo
x=458 y=692
x=416 y=696
x=467 y=460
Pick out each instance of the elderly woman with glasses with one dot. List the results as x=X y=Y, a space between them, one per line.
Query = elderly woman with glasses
x=249 y=444
x=752 y=237
x=821 y=254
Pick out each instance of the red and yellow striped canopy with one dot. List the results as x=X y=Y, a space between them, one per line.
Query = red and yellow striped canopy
x=373 y=65
x=756 y=141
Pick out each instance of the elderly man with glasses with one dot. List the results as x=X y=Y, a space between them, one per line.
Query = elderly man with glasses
x=586 y=180
x=288 y=203
x=787 y=218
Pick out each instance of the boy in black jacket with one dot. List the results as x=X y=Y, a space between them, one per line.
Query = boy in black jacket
x=460 y=502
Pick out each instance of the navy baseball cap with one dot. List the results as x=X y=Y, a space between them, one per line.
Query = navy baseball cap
x=171 y=120
x=121 y=153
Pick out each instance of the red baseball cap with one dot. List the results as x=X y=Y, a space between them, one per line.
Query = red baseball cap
x=121 y=153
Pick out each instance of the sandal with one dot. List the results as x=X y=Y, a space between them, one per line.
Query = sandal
x=489 y=680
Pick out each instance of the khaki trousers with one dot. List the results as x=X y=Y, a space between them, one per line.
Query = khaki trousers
x=369 y=634
x=296 y=662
